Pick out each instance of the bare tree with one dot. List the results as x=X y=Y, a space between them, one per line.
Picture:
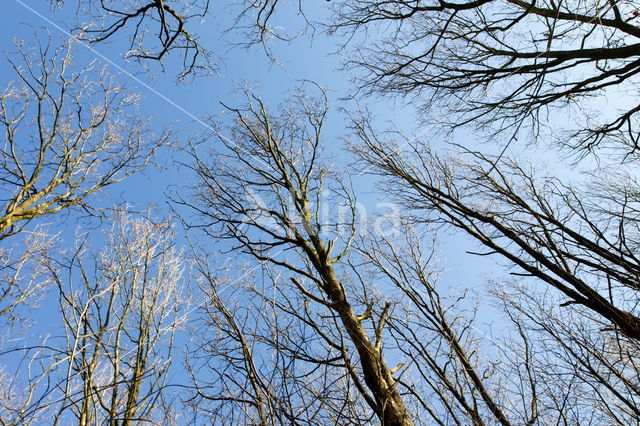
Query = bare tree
x=444 y=368
x=581 y=243
x=508 y=63
x=120 y=309
x=155 y=28
x=263 y=193
x=265 y=355
x=581 y=373
x=69 y=133
x=312 y=337
x=22 y=278
x=277 y=345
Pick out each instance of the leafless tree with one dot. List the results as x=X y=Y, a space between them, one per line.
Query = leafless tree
x=69 y=133
x=506 y=63
x=265 y=355
x=581 y=374
x=120 y=309
x=22 y=278
x=579 y=240
x=444 y=368
x=155 y=28
x=313 y=336
x=263 y=194
x=276 y=344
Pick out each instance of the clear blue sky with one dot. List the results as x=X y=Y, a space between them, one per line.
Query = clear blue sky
x=176 y=105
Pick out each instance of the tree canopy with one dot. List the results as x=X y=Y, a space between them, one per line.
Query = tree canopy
x=264 y=294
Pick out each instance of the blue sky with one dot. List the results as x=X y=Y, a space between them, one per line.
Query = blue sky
x=180 y=106
x=183 y=107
